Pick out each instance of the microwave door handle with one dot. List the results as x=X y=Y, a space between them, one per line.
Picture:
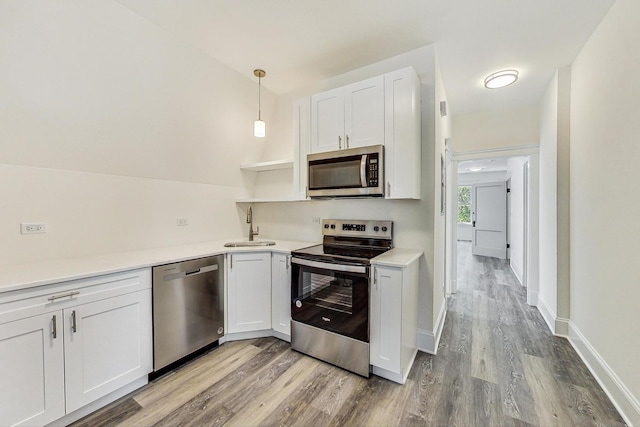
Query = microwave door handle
x=363 y=170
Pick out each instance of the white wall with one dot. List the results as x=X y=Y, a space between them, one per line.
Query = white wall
x=516 y=212
x=496 y=129
x=413 y=219
x=605 y=243
x=554 y=201
x=547 y=297
x=111 y=129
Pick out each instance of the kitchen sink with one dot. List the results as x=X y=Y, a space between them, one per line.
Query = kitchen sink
x=248 y=243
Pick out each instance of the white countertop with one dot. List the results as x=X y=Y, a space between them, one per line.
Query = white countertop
x=22 y=276
x=397 y=257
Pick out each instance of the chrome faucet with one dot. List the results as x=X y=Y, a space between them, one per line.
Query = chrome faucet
x=250 y=222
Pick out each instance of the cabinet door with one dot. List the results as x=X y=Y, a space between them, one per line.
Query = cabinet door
x=108 y=344
x=301 y=146
x=364 y=113
x=249 y=292
x=327 y=121
x=386 y=318
x=402 y=143
x=281 y=293
x=31 y=374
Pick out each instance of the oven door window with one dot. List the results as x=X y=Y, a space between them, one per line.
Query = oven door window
x=331 y=300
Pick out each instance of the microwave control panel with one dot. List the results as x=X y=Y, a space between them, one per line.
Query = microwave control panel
x=373 y=171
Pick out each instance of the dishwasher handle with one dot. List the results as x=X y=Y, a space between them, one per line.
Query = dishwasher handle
x=190 y=273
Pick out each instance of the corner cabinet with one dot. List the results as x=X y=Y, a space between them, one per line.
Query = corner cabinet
x=248 y=291
x=67 y=345
x=393 y=321
x=281 y=295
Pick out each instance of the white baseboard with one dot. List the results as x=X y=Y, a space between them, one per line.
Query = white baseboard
x=562 y=327
x=547 y=314
x=428 y=341
x=517 y=271
x=624 y=401
x=532 y=297
x=103 y=401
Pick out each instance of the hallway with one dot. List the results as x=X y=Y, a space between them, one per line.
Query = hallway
x=503 y=363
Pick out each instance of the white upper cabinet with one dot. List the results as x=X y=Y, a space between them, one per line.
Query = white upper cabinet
x=364 y=113
x=402 y=142
x=348 y=117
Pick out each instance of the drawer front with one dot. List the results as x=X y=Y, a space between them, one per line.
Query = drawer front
x=24 y=303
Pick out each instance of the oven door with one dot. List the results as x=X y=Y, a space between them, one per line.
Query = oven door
x=333 y=297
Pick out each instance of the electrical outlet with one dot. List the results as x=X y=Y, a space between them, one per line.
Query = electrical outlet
x=315 y=220
x=33 y=228
x=182 y=222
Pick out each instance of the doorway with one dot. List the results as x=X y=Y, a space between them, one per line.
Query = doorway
x=515 y=172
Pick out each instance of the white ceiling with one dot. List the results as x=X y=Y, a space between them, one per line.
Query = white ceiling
x=299 y=42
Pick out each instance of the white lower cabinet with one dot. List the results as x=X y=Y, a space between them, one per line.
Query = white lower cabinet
x=248 y=291
x=67 y=345
x=106 y=346
x=393 y=321
x=31 y=368
x=281 y=293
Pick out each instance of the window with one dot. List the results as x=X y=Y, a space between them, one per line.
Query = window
x=464 y=204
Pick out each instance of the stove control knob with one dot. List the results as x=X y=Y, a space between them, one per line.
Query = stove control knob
x=298 y=303
x=326 y=226
x=376 y=228
x=333 y=226
x=384 y=229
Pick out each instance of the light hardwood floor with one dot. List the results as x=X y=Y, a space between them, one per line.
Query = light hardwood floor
x=497 y=365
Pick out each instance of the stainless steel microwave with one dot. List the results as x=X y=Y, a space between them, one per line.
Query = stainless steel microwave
x=354 y=172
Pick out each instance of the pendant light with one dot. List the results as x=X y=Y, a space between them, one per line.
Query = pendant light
x=259 y=127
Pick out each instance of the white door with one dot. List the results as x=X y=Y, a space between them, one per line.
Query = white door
x=327 y=121
x=108 y=344
x=31 y=370
x=364 y=113
x=249 y=292
x=489 y=219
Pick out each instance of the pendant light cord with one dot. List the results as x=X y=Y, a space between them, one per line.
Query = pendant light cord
x=259 y=99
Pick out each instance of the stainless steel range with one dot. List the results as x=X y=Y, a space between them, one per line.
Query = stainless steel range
x=330 y=292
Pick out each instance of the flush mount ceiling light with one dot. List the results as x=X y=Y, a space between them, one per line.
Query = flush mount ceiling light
x=501 y=79
x=475 y=168
x=259 y=127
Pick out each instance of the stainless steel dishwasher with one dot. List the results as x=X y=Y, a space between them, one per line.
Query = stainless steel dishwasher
x=188 y=308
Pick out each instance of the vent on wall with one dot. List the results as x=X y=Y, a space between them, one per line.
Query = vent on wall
x=443 y=108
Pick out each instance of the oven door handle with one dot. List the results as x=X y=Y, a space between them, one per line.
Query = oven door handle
x=330 y=266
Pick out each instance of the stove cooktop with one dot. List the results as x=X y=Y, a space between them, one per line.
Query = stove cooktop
x=350 y=242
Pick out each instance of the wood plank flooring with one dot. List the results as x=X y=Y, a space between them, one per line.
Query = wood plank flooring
x=497 y=365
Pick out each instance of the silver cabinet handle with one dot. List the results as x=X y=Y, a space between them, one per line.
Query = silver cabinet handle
x=339 y=142
x=74 y=325
x=70 y=294
x=54 y=329
x=230 y=262
x=388 y=189
x=347 y=141
x=288 y=261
